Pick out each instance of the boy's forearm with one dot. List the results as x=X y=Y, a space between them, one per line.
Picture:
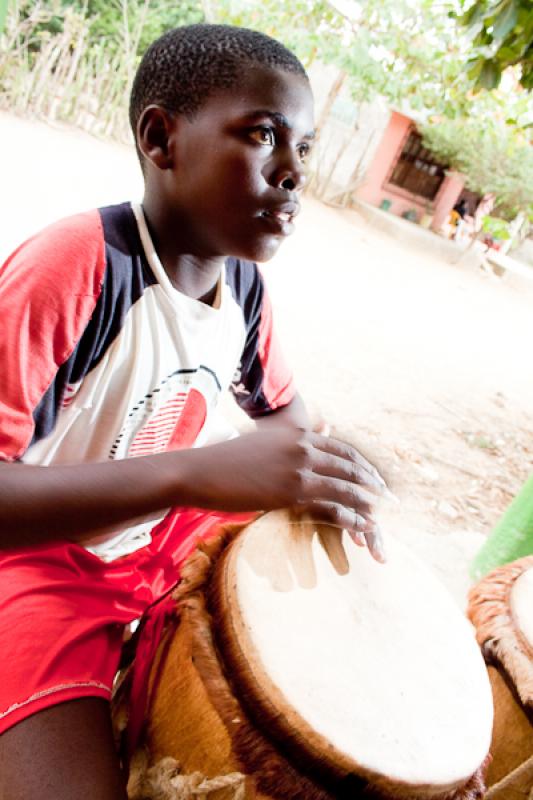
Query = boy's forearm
x=39 y=504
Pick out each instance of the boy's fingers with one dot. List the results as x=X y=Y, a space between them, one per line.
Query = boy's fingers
x=329 y=465
x=337 y=515
x=358 y=538
x=362 y=530
x=339 y=492
x=367 y=474
x=374 y=540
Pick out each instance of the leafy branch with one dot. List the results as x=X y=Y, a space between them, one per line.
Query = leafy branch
x=501 y=32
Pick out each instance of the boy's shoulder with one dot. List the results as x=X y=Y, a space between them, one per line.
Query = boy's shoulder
x=79 y=229
x=72 y=246
x=83 y=231
x=56 y=254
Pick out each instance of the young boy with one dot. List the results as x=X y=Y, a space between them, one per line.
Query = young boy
x=121 y=328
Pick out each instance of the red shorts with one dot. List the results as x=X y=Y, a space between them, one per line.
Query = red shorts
x=63 y=611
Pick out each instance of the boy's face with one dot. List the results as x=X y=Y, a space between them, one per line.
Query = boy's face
x=238 y=166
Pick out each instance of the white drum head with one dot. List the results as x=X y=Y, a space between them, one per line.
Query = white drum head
x=374 y=664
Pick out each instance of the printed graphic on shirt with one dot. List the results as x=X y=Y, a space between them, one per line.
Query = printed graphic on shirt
x=69 y=394
x=170 y=416
x=237 y=385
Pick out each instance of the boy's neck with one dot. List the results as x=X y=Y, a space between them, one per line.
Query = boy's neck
x=191 y=274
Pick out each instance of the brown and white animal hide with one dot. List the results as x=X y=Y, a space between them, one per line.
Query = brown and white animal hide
x=510 y=664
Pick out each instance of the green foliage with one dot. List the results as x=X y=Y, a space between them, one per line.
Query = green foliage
x=501 y=32
x=74 y=60
x=493 y=156
x=496 y=227
x=113 y=20
x=3 y=13
x=315 y=30
x=155 y=17
x=407 y=51
x=311 y=28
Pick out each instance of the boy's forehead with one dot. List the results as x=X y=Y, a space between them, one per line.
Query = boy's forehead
x=266 y=89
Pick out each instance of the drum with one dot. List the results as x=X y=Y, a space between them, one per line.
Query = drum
x=314 y=673
x=501 y=608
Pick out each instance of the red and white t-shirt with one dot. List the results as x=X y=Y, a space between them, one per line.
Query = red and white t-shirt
x=102 y=358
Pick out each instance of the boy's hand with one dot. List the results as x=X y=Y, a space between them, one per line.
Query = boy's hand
x=287 y=467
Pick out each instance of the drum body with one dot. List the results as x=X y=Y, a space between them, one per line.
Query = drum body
x=501 y=608
x=319 y=674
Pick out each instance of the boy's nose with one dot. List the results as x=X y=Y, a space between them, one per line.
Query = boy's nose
x=290 y=184
x=291 y=177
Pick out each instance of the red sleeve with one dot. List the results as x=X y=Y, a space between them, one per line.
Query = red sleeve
x=48 y=290
x=278 y=384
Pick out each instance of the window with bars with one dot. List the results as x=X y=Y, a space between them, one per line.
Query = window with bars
x=417 y=171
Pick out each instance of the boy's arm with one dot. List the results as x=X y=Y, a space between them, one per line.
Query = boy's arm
x=278 y=467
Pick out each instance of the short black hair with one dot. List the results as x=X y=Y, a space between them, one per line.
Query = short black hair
x=182 y=68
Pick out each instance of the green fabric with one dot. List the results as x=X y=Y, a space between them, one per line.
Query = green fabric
x=512 y=538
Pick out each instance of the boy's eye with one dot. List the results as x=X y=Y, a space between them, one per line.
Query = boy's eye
x=263 y=135
x=303 y=151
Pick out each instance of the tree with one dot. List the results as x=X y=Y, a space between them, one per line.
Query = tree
x=75 y=60
x=495 y=158
x=409 y=53
x=144 y=20
x=501 y=33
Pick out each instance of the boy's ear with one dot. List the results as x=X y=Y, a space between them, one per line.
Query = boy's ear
x=154 y=130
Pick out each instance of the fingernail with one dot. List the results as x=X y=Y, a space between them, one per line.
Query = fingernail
x=381 y=480
x=358 y=538
x=379 y=554
x=376 y=545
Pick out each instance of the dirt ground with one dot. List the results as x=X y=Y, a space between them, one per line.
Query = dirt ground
x=423 y=364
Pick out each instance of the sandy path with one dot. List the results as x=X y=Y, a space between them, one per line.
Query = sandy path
x=425 y=365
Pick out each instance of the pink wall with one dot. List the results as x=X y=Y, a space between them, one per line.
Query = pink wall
x=449 y=192
x=375 y=188
x=385 y=156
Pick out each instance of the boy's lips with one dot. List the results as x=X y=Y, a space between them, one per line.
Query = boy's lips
x=280 y=218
